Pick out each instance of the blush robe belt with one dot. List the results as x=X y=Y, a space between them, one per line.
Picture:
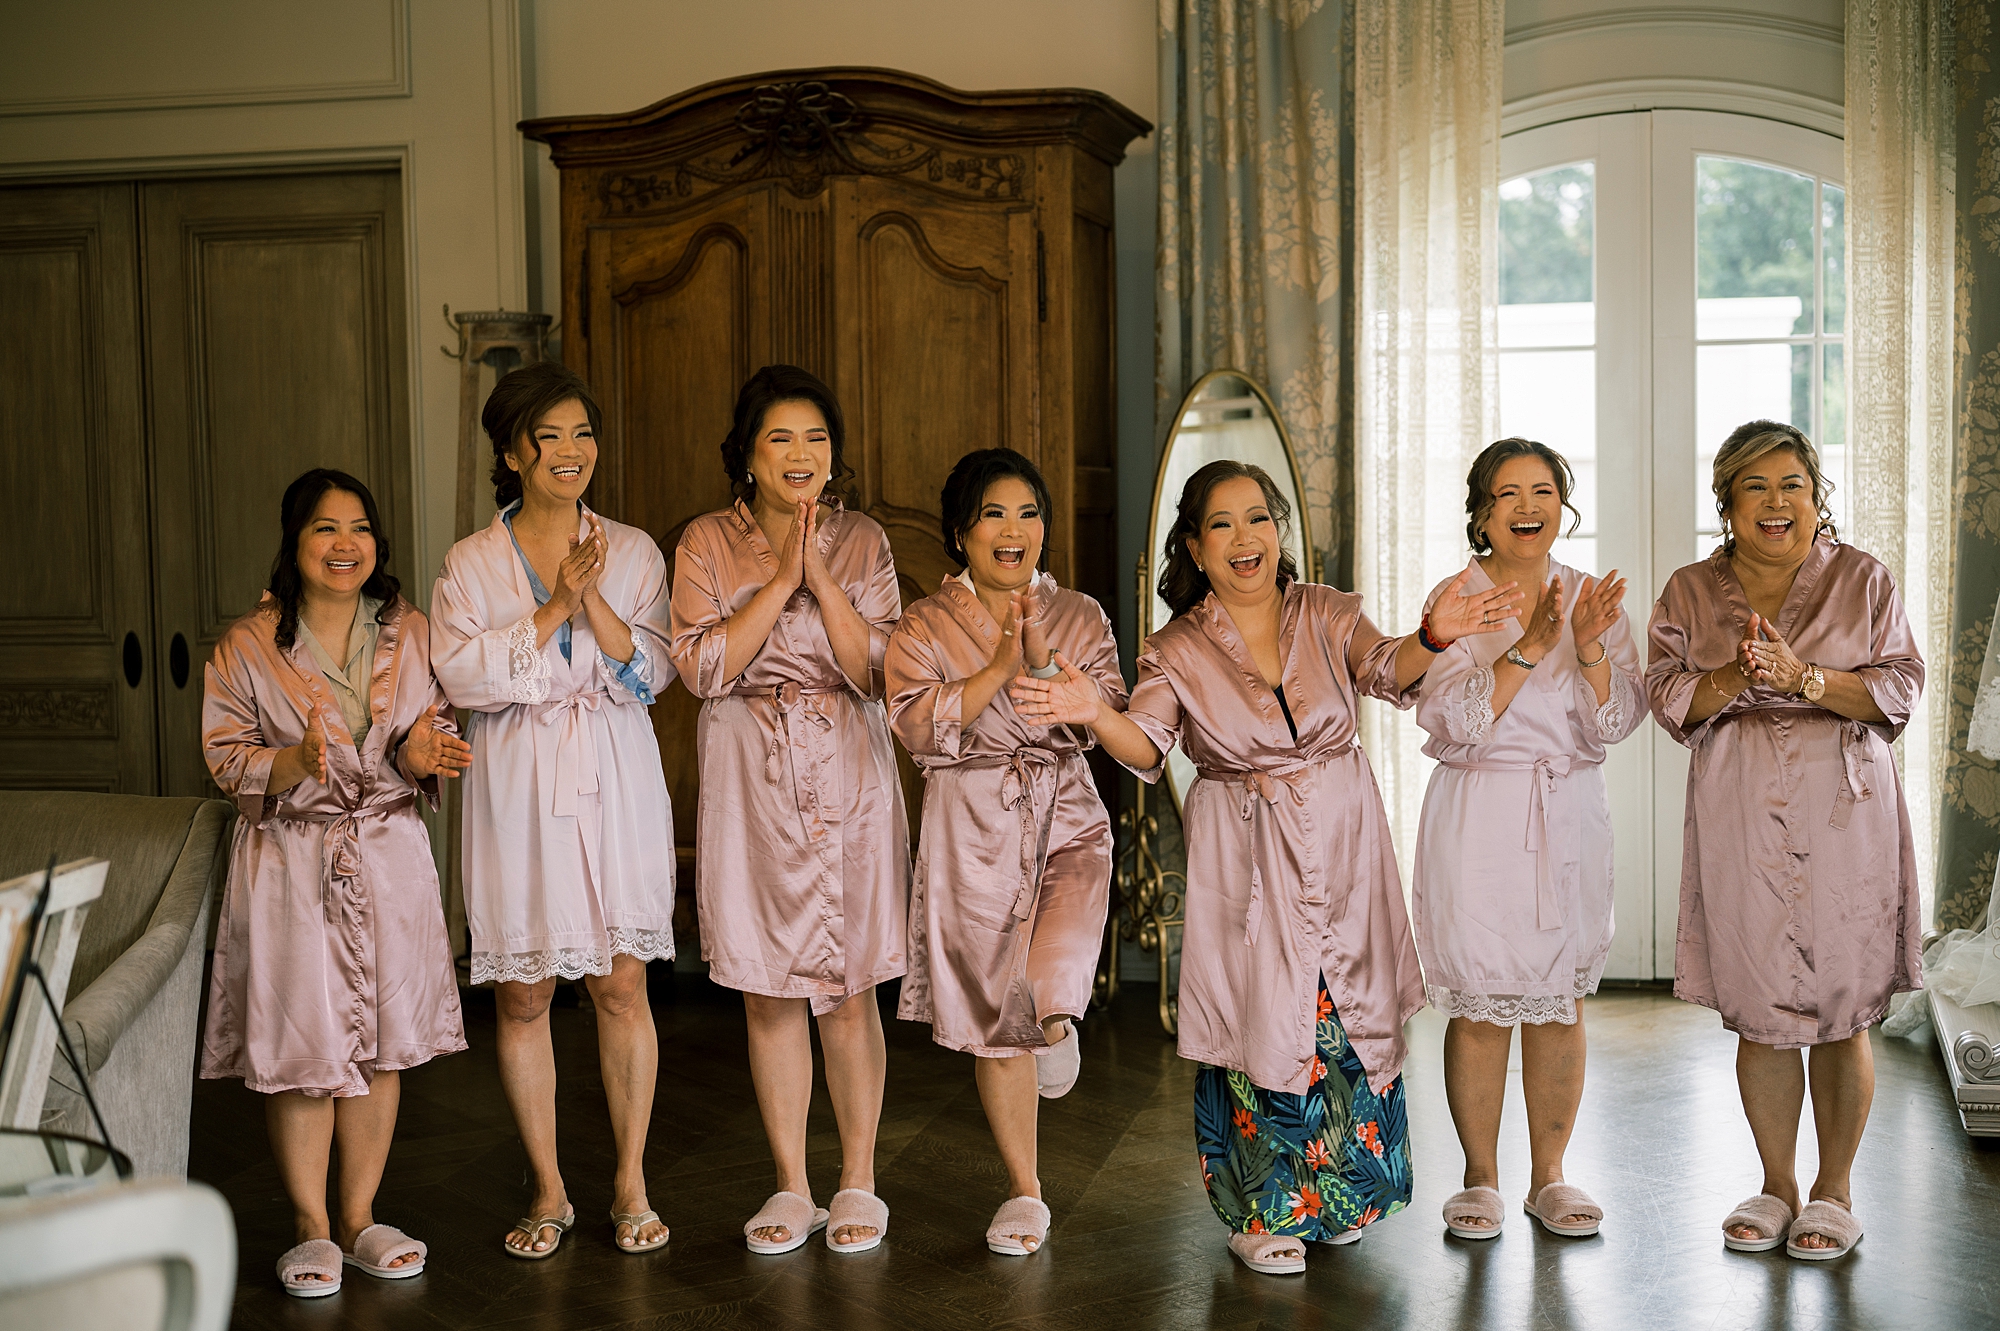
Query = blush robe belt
x=340 y=849
x=576 y=748
x=1028 y=786
x=1553 y=831
x=1258 y=791
x=1857 y=755
x=785 y=698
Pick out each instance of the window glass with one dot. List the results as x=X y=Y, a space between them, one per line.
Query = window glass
x=1548 y=330
x=1770 y=308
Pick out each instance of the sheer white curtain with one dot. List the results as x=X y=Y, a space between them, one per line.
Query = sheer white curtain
x=1901 y=200
x=1427 y=176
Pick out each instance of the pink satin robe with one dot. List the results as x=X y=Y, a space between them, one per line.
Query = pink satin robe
x=568 y=835
x=1512 y=893
x=1799 y=908
x=1290 y=872
x=802 y=859
x=331 y=962
x=1013 y=874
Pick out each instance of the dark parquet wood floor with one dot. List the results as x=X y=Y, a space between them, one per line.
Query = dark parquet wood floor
x=1661 y=1144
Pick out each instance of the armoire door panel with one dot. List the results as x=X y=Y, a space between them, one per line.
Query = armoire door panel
x=275 y=329
x=73 y=470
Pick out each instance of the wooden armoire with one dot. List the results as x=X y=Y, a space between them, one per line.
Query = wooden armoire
x=943 y=259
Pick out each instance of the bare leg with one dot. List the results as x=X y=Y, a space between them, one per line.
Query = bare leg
x=1475 y=1086
x=1008 y=1092
x=528 y=1074
x=628 y=1052
x=856 y=1065
x=364 y=1126
x=301 y=1130
x=781 y=1068
x=1552 y=1057
x=1843 y=1088
x=1773 y=1085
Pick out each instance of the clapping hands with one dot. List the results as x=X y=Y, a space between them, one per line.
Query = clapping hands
x=1767 y=660
x=428 y=751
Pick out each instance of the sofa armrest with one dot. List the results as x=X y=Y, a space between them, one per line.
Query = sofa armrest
x=97 y=1017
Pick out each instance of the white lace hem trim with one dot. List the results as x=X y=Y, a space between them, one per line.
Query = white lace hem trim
x=528 y=669
x=572 y=963
x=1476 y=706
x=1512 y=1009
x=1983 y=735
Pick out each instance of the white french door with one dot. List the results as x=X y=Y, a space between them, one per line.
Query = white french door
x=1665 y=276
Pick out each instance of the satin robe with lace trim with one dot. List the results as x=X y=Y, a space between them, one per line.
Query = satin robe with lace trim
x=331 y=962
x=1512 y=892
x=1800 y=916
x=1013 y=873
x=802 y=847
x=1290 y=871
x=569 y=837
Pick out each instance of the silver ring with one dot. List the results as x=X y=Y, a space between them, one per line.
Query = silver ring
x=1007 y=633
x=1554 y=618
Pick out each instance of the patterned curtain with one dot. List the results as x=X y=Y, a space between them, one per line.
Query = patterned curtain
x=1969 y=810
x=1427 y=168
x=1901 y=190
x=1251 y=234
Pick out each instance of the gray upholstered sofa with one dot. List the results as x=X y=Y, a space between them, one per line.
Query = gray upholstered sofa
x=133 y=1009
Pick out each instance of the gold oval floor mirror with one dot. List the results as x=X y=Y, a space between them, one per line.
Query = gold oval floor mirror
x=1227 y=414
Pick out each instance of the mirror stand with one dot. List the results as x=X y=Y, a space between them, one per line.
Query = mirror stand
x=1146 y=907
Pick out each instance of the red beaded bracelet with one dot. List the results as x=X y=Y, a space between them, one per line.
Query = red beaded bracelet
x=1426 y=639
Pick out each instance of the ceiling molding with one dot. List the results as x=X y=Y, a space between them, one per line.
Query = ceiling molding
x=396 y=84
x=1661 y=94
x=1680 y=17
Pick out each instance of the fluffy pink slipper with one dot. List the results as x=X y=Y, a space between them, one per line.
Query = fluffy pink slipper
x=794 y=1214
x=1476 y=1204
x=1557 y=1200
x=378 y=1245
x=1260 y=1252
x=1765 y=1214
x=314 y=1257
x=861 y=1209
x=1828 y=1220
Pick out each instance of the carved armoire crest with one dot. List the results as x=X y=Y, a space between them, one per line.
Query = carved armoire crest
x=943 y=259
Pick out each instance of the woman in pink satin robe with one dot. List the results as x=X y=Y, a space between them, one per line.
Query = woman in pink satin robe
x=1784 y=661
x=1512 y=891
x=1013 y=874
x=332 y=972
x=1297 y=970
x=782 y=607
x=551 y=627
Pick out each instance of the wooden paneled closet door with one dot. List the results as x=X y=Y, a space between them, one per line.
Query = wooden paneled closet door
x=276 y=339
x=76 y=637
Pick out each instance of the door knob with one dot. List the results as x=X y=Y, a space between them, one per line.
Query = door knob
x=177 y=660
x=135 y=661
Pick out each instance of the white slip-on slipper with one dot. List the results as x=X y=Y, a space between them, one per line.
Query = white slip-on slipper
x=1056 y=1071
x=796 y=1215
x=1557 y=1200
x=1766 y=1214
x=1027 y=1217
x=1479 y=1204
x=861 y=1208
x=1258 y=1252
x=314 y=1257
x=378 y=1245
x=1829 y=1220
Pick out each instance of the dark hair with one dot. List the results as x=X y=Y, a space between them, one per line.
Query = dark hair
x=764 y=390
x=1479 y=498
x=1747 y=443
x=965 y=494
x=295 y=511
x=517 y=402
x=1182 y=584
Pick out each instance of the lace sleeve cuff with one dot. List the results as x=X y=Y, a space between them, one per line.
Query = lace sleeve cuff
x=527 y=664
x=1983 y=735
x=1474 y=710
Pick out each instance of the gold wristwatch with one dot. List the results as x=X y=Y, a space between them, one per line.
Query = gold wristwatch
x=1813 y=687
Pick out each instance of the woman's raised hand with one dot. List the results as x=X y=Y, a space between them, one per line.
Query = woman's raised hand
x=428 y=751
x=311 y=750
x=1769 y=660
x=578 y=572
x=791 y=574
x=812 y=562
x=1007 y=648
x=1457 y=615
x=593 y=590
x=1070 y=698
x=1034 y=634
x=1596 y=610
x=1544 y=624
